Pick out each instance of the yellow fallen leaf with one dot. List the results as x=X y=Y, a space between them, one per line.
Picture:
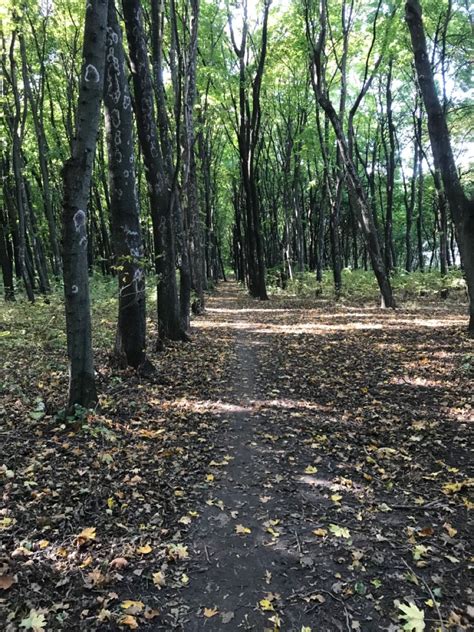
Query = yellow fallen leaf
x=320 y=532
x=311 y=469
x=85 y=535
x=159 y=579
x=272 y=531
x=241 y=530
x=210 y=612
x=129 y=621
x=43 y=544
x=177 y=552
x=209 y=478
x=450 y=529
x=265 y=604
x=145 y=549
x=87 y=562
x=184 y=579
x=132 y=607
x=185 y=520
x=336 y=498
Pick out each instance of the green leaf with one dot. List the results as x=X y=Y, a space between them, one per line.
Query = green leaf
x=414 y=617
x=34 y=621
x=339 y=532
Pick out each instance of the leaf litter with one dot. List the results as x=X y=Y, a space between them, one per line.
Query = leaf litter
x=294 y=467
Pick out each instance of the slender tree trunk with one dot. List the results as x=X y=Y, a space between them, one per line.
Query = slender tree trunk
x=125 y=217
x=43 y=152
x=158 y=177
x=77 y=178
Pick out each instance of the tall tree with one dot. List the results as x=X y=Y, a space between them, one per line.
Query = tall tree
x=160 y=185
x=248 y=135
x=77 y=177
x=125 y=216
x=345 y=142
x=462 y=208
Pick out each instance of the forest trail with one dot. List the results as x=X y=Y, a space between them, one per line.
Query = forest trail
x=312 y=508
x=299 y=465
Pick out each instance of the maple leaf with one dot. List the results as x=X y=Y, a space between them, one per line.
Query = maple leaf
x=311 y=469
x=210 y=612
x=241 y=530
x=339 y=532
x=414 y=617
x=87 y=534
x=177 y=552
x=144 y=549
x=34 y=621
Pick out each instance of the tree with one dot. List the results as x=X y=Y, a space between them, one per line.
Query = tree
x=125 y=215
x=248 y=130
x=462 y=208
x=160 y=186
x=345 y=142
x=76 y=178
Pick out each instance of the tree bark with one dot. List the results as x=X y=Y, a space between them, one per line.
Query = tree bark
x=158 y=177
x=77 y=178
x=125 y=214
x=462 y=208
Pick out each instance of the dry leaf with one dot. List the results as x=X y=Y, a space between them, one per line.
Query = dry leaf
x=118 y=563
x=6 y=581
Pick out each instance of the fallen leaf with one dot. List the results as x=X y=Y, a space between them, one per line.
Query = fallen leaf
x=414 y=617
x=86 y=535
x=129 y=621
x=241 y=530
x=145 y=549
x=132 y=607
x=159 y=579
x=320 y=532
x=6 y=581
x=311 y=469
x=118 y=563
x=266 y=604
x=339 y=532
x=210 y=612
x=34 y=621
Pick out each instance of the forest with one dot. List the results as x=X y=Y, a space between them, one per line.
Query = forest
x=237 y=256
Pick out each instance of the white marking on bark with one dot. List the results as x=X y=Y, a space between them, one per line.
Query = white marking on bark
x=74 y=289
x=79 y=219
x=91 y=74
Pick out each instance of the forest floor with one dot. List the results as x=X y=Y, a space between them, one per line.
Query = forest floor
x=299 y=466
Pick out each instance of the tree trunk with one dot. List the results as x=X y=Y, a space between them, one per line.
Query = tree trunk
x=462 y=208
x=125 y=214
x=77 y=178
x=158 y=177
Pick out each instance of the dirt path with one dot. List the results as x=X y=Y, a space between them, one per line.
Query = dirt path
x=303 y=524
